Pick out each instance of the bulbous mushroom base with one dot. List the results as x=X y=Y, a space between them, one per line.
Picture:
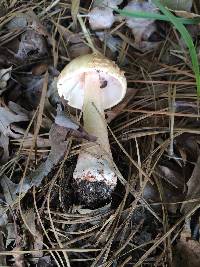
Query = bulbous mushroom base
x=94 y=180
x=93 y=194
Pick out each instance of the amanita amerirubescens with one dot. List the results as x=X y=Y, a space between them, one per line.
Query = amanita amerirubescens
x=93 y=83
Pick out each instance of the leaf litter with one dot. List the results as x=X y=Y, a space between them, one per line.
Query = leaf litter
x=154 y=222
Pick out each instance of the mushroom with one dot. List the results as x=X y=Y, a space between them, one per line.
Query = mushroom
x=93 y=83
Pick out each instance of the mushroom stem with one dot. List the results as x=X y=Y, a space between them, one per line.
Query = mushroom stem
x=94 y=175
x=93 y=112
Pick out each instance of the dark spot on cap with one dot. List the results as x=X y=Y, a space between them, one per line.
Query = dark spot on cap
x=103 y=84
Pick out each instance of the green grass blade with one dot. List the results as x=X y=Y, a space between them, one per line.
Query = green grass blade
x=187 y=39
x=148 y=15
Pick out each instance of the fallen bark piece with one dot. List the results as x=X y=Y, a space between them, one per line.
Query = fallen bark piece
x=94 y=83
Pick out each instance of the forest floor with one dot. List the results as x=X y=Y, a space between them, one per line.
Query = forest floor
x=152 y=215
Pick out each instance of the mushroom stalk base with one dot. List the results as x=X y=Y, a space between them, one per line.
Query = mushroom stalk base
x=94 y=176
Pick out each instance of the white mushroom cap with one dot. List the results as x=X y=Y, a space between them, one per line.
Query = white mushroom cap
x=71 y=80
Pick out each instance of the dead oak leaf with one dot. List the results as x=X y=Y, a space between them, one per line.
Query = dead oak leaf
x=61 y=130
x=4 y=143
x=193 y=189
x=31 y=44
x=187 y=251
x=4 y=77
x=7 y=117
x=9 y=190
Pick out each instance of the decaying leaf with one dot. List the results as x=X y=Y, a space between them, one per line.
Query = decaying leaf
x=169 y=187
x=187 y=144
x=184 y=5
x=101 y=18
x=18 y=258
x=31 y=40
x=11 y=235
x=193 y=189
x=3 y=216
x=60 y=130
x=2 y=248
x=27 y=20
x=74 y=11
x=76 y=50
x=68 y=35
x=142 y=28
x=114 y=112
x=45 y=262
x=187 y=251
x=114 y=43
x=7 y=117
x=18 y=22
x=5 y=75
x=30 y=219
x=107 y=3
x=4 y=143
x=9 y=190
x=31 y=44
x=101 y=15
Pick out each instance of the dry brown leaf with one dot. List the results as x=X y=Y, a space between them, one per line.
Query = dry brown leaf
x=9 y=190
x=5 y=75
x=10 y=227
x=7 y=117
x=68 y=35
x=185 y=5
x=193 y=189
x=45 y=262
x=185 y=14
x=74 y=11
x=32 y=44
x=30 y=219
x=142 y=28
x=101 y=18
x=62 y=129
x=27 y=20
x=108 y=3
x=4 y=143
x=114 y=112
x=2 y=248
x=76 y=50
x=187 y=251
x=187 y=144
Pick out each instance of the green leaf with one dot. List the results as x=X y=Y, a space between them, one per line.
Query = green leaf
x=185 y=5
x=187 y=39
